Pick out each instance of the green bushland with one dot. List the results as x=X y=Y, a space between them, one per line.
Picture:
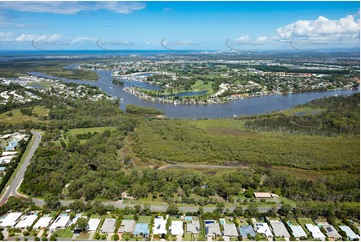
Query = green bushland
x=135 y=109
x=54 y=68
x=177 y=142
x=117 y=82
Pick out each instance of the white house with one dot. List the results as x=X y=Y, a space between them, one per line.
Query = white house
x=26 y=221
x=176 y=228
x=160 y=225
x=315 y=231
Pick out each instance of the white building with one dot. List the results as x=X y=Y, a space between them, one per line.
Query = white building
x=60 y=222
x=297 y=231
x=263 y=228
x=350 y=234
x=176 y=228
x=26 y=221
x=10 y=219
x=160 y=225
x=43 y=222
x=93 y=224
x=315 y=231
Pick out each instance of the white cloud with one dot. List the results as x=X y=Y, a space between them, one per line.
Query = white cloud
x=6 y=36
x=262 y=39
x=243 y=38
x=322 y=28
x=67 y=7
x=35 y=37
x=80 y=40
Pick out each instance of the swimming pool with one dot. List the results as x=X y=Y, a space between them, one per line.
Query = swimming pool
x=209 y=221
x=188 y=218
x=222 y=221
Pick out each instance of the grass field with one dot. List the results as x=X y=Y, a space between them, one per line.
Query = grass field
x=144 y=219
x=65 y=233
x=91 y=130
x=128 y=217
x=18 y=117
x=201 y=86
x=187 y=237
x=302 y=111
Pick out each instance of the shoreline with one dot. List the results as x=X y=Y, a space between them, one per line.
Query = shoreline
x=214 y=100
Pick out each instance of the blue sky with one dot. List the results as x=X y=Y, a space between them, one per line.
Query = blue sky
x=178 y=25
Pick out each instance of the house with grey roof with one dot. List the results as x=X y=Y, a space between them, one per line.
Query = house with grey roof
x=108 y=225
x=230 y=230
x=246 y=230
x=194 y=227
x=212 y=228
x=127 y=226
x=331 y=232
x=279 y=229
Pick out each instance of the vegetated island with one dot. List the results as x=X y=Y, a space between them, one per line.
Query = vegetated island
x=117 y=82
x=141 y=110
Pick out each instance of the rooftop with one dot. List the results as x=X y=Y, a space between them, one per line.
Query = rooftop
x=279 y=229
x=127 y=226
x=230 y=230
x=108 y=225
x=141 y=228
x=246 y=230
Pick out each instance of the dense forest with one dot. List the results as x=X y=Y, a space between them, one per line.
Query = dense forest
x=341 y=117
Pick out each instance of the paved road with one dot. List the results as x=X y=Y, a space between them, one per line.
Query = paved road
x=19 y=176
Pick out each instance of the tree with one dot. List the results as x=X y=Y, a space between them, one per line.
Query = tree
x=173 y=209
x=252 y=209
x=284 y=210
x=238 y=211
x=200 y=210
x=82 y=224
x=51 y=201
x=77 y=205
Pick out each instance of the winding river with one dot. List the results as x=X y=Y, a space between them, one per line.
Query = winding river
x=246 y=106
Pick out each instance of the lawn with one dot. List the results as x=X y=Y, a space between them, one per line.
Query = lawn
x=187 y=237
x=86 y=130
x=303 y=111
x=18 y=117
x=174 y=218
x=65 y=233
x=128 y=217
x=144 y=219
x=201 y=86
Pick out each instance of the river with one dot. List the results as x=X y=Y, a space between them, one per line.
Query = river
x=240 y=107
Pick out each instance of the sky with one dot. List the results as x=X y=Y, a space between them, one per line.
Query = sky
x=225 y=26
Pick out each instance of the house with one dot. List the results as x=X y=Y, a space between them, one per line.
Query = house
x=246 y=230
x=60 y=222
x=160 y=225
x=349 y=233
x=212 y=228
x=108 y=225
x=26 y=221
x=279 y=229
x=263 y=228
x=43 y=222
x=230 y=230
x=141 y=229
x=331 y=232
x=12 y=145
x=10 y=219
x=315 y=231
x=93 y=224
x=127 y=226
x=194 y=227
x=6 y=159
x=262 y=195
x=297 y=231
x=176 y=228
